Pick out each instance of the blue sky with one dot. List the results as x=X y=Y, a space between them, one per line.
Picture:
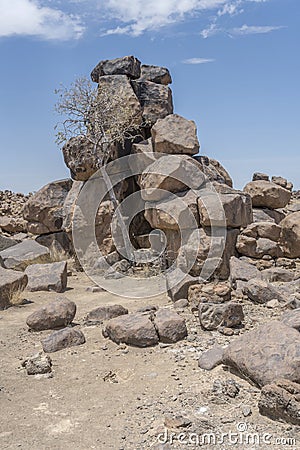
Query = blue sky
x=234 y=65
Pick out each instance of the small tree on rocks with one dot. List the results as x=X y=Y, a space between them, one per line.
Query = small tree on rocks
x=99 y=117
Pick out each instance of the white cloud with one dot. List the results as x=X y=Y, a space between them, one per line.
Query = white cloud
x=253 y=29
x=211 y=30
x=31 y=18
x=198 y=61
x=140 y=15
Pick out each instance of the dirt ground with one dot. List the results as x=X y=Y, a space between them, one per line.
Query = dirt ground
x=107 y=396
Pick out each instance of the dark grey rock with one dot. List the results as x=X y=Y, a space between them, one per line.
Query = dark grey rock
x=105 y=312
x=281 y=401
x=57 y=314
x=170 y=326
x=266 y=354
x=132 y=329
x=211 y=358
x=58 y=340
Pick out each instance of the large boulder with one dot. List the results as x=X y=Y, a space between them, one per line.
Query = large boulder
x=7 y=242
x=47 y=277
x=200 y=245
x=267 y=194
x=175 y=134
x=11 y=285
x=260 y=291
x=259 y=239
x=156 y=74
x=13 y=224
x=59 y=245
x=132 y=329
x=106 y=312
x=242 y=271
x=24 y=254
x=57 y=314
x=155 y=99
x=118 y=91
x=80 y=158
x=267 y=215
x=257 y=248
x=175 y=212
x=44 y=210
x=213 y=315
x=128 y=65
x=171 y=174
x=266 y=354
x=290 y=237
x=224 y=206
x=170 y=326
x=58 y=340
x=280 y=400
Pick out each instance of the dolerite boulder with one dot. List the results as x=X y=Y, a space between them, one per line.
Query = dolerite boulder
x=267 y=215
x=118 y=89
x=266 y=354
x=128 y=65
x=12 y=283
x=258 y=176
x=58 y=340
x=214 y=170
x=47 y=277
x=132 y=329
x=156 y=74
x=59 y=245
x=260 y=291
x=281 y=401
x=170 y=174
x=38 y=364
x=105 y=312
x=174 y=212
x=259 y=239
x=170 y=326
x=24 y=254
x=241 y=272
x=57 y=314
x=290 y=237
x=218 y=292
x=155 y=99
x=7 y=242
x=292 y=319
x=13 y=224
x=211 y=358
x=267 y=194
x=278 y=274
x=175 y=134
x=44 y=210
x=80 y=158
x=213 y=315
x=194 y=252
x=221 y=205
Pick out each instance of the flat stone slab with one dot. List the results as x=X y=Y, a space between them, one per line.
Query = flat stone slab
x=47 y=277
x=24 y=254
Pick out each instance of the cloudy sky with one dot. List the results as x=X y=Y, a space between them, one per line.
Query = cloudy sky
x=234 y=65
